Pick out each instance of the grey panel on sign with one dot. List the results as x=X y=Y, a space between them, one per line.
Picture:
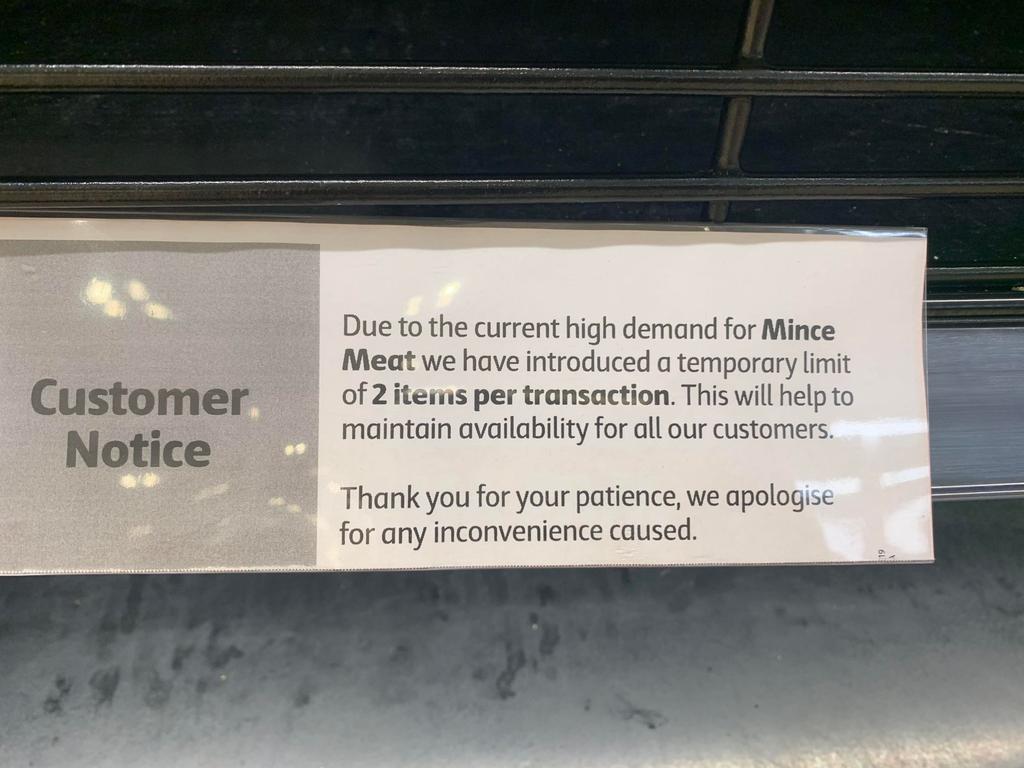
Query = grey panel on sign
x=153 y=315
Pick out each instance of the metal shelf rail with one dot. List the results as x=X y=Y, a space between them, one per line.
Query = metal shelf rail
x=724 y=182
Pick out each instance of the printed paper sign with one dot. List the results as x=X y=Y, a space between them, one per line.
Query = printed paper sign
x=261 y=396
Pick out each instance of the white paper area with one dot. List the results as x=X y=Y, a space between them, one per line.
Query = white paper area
x=875 y=462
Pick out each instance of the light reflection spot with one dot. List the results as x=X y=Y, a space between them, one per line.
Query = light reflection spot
x=157 y=311
x=840 y=486
x=447 y=293
x=211 y=491
x=137 y=290
x=412 y=307
x=115 y=308
x=899 y=476
x=98 y=291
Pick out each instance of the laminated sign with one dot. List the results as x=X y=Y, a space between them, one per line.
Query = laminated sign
x=185 y=395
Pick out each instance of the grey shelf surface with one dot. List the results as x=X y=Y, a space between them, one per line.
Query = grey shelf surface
x=703 y=668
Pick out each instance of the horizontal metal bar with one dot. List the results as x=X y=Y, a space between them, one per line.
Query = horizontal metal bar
x=430 y=191
x=956 y=276
x=950 y=305
x=986 y=310
x=978 y=492
x=501 y=79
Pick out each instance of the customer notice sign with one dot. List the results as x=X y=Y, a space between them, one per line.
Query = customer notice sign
x=207 y=395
